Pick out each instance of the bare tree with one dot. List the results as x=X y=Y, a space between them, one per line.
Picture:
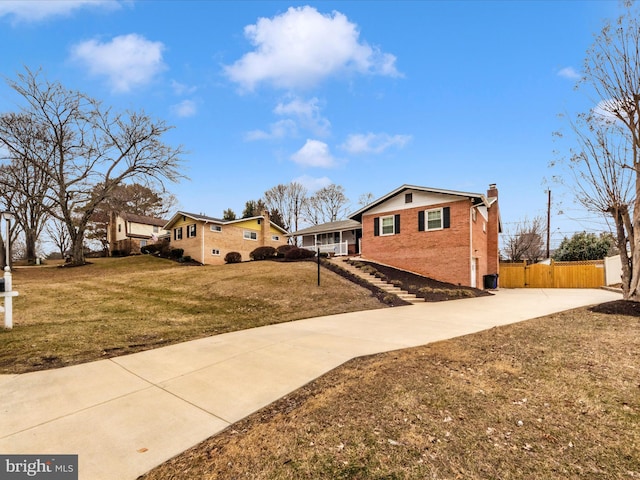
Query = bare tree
x=59 y=235
x=327 y=205
x=24 y=186
x=289 y=200
x=612 y=70
x=602 y=181
x=365 y=199
x=526 y=242
x=86 y=150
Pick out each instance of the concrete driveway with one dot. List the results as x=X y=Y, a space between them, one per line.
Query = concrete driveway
x=125 y=415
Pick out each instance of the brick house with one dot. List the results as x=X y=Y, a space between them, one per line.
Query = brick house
x=128 y=233
x=443 y=234
x=207 y=240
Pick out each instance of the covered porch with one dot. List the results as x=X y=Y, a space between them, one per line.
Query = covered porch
x=335 y=238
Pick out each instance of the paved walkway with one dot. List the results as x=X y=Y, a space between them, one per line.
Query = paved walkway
x=125 y=415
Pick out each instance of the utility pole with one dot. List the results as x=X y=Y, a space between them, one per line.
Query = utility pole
x=549 y=224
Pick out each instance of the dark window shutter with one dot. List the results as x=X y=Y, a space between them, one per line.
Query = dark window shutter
x=376 y=227
x=396 y=224
x=421 y=221
x=446 y=217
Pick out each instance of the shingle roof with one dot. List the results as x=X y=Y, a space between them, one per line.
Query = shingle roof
x=340 y=225
x=129 y=217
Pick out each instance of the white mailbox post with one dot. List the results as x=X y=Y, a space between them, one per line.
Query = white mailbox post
x=8 y=292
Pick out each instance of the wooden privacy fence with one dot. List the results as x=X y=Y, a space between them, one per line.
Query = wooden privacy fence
x=585 y=274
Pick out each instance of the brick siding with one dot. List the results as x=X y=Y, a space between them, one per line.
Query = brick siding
x=440 y=254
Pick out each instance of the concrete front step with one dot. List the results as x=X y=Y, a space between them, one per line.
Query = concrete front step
x=383 y=285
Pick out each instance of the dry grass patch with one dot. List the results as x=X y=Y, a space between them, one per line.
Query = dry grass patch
x=115 y=306
x=553 y=398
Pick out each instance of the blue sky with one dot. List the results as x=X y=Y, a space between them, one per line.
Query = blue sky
x=369 y=95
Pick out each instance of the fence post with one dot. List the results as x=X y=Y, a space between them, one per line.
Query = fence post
x=8 y=299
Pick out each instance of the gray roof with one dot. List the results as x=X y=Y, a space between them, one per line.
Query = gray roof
x=338 y=226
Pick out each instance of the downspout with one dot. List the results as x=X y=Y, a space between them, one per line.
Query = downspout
x=204 y=225
x=471 y=247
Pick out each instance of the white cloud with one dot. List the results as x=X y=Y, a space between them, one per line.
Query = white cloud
x=313 y=184
x=182 y=89
x=569 y=72
x=277 y=130
x=186 y=108
x=301 y=47
x=38 y=10
x=374 y=142
x=307 y=113
x=314 y=154
x=128 y=61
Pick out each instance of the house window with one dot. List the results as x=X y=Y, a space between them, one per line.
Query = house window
x=191 y=231
x=249 y=235
x=389 y=225
x=143 y=243
x=215 y=228
x=215 y=252
x=275 y=238
x=434 y=219
x=177 y=233
x=155 y=229
x=119 y=227
x=408 y=197
x=386 y=225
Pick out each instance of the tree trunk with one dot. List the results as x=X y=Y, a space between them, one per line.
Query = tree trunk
x=3 y=262
x=621 y=219
x=634 y=293
x=30 y=239
x=77 y=246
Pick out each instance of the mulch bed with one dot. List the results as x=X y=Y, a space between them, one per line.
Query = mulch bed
x=618 y=307
x=413 y=283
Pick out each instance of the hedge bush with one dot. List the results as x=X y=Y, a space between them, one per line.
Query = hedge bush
x=283 y=249
x=233 y=257
x=299 y=254
x=263 y=253
x=150 y=249
x=176 y=253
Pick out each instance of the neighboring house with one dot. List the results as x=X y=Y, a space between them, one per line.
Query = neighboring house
x=207 y=240
x=128 y=233
x=340 y=238
x=446 y=235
